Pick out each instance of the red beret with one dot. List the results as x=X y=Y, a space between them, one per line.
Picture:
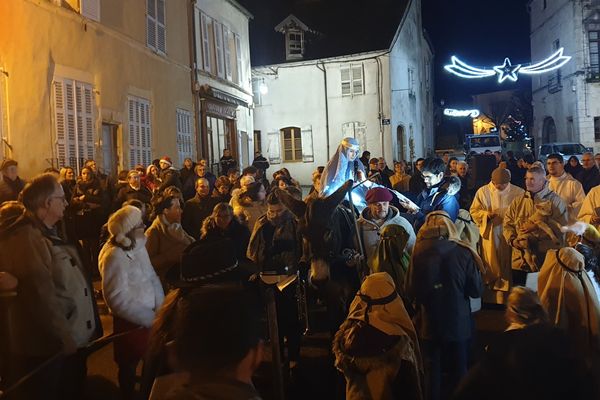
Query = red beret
x=378 y=194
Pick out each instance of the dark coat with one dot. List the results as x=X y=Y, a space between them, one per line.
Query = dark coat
x=442 y=278
x=589 y=178
x=261 y=162
x=9 y=190
x=128 y=193
x=185 y=173
x=227 y=163
x=236 y=232
x=91 y=212
x=434 y=199
x=189 y=185
x=465 y=194
x=195 y=211
x=416 y=184
x=169 y=177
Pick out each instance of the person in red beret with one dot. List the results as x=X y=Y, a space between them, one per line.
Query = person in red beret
x=378 y=214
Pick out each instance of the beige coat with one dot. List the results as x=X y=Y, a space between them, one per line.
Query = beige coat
x=591 y=206
x=519 y=213
x=570 y=191
x=495 y=251
x=165 y=244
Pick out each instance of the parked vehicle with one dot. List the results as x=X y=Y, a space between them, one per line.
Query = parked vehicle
x=482 y=142
x=564 y=149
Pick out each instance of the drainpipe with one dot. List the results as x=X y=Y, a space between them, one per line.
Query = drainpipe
x=322 y=68
x=193 y=74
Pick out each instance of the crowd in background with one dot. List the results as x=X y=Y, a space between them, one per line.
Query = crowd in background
x=156 y=233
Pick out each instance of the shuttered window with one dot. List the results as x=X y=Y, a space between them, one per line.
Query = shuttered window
x=74 y=110
x=140 y=132
x=238 y=56
x=91 y=9
x=185 y=143
x=218 y=37
x=227 y=44
x=291 y=139
x=352 y=80
x=205 y=23
x=155 y=25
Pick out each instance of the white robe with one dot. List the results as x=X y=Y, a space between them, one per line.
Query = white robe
x=591 y=206
x=496 y=253
x=570 y=191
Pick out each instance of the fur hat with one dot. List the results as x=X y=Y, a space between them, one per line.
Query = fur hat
x=122 y=222
x=378 y=194
x=167 y=160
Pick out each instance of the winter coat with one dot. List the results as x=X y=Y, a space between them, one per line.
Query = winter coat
x=195 y=211
x=90 y=213
x=442 y=277
x=519 y=213
x=9 y=190
x=416 y=184
x=186 y=173
x=272 y=248
x=55 y=306
x=236 y=232
x=249 y=212
x=434 y=199
x=165 y=244
x=130 y=286
x=226 y=164
x=261 y=162
x=189 y=185
x=128 y=193
x=370 y=231
x=169 y=177
x=589 y=178
x=400 y=183
x=570 y=191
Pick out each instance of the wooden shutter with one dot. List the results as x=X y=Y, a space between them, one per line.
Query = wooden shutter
x=227 y=53
x=91 y=9
x=274 y=149
x=85 y=122
x=218 y=34
x=161 y=31
x=133 y=132
x=185 y=143
x=307 y=144
x=146 y=132
x=238 y=56
x=60 y=122
x=346 y=81
x=357 y=79
x=151 y=23
x=206 y=60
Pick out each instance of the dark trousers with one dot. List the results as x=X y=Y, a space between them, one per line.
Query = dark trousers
x=455 y=357
x=288 y=322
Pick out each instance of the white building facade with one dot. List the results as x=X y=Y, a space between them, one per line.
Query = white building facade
x=566 y=102
x=303 y=109
x=222 y=87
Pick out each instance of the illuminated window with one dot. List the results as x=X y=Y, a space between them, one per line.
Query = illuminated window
x=292 y=144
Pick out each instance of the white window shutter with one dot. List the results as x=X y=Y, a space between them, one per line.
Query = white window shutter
x=151 y=23
x=346 y=81
x=184 y=135
x=206 y=59
x=348 y=129
x=91 y=9
x=357 y=79
x=218 y=34
x=227 y=52
x=274 y=149
x=307 y=144
x=133 y=133
x=71 y=132
x=89 y=121
x=60 y=122
x=360 y=133
x=238 y=56
x=161 y=32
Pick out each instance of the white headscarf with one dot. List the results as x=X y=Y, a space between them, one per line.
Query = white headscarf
x=339 y=169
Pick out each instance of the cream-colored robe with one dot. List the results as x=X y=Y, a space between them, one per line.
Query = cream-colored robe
x=591 y=206
x=570 y=191
x=496 y=253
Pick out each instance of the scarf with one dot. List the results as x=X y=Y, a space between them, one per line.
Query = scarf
x=174 y=230
x=391 y=255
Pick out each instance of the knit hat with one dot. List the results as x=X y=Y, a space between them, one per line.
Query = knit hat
x=167 y=160
x=122 y=222
x=206 y=262
x=378 y=194
x=500 y=176
x=7 y=162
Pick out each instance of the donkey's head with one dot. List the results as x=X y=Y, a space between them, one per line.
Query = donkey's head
x=319 y=224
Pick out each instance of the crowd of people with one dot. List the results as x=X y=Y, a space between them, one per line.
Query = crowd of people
x=177 y=253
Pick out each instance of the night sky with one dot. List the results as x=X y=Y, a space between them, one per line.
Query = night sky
x=480 y=32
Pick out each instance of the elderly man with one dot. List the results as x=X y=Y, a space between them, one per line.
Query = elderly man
x=590 y=175
x=488 y=210
x=133 y=190
x=378 y=214
x=565 y=186
x=55 y=311
x=197 y=209
x=532 y=222
x=466 y=192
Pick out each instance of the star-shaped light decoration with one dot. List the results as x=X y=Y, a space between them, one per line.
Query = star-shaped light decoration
x=507 y=71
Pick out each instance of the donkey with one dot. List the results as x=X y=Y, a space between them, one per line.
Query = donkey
x=330 y=235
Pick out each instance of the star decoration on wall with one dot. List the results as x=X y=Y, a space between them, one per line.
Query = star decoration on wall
x=507 y=70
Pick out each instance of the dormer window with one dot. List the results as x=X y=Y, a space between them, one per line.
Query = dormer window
x=295 y=44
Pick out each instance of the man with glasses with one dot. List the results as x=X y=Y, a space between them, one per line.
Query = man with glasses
x=55 y=311
x=590 y=175
x=565 y=186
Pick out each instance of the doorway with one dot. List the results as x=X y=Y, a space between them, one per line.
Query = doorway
x=110 y=157
x=549 y=131
x=400 y=140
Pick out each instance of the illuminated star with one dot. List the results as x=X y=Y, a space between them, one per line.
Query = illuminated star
x=507 y=71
